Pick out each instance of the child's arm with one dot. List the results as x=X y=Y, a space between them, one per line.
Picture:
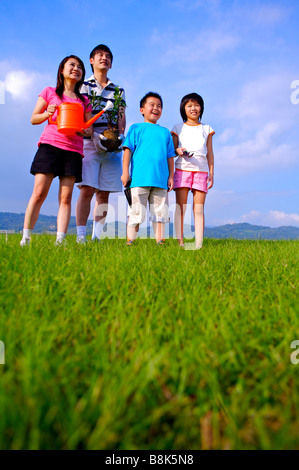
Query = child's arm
x=179 y=150
x=126 y=164
x=210 y=158
x=42 y=111
x=171 y=172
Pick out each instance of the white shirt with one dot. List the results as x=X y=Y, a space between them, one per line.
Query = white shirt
x=194 y=139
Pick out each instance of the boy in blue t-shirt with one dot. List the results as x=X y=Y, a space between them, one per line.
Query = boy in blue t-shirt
x=149 y=148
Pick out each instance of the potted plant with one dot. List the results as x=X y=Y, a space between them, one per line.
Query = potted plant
x=111 y=133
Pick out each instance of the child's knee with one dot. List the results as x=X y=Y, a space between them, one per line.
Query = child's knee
x=137 y=214
x=39 y=195
x=66 y=199
x=198 y=209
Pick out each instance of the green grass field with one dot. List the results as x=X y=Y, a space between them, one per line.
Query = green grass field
x=146 y=347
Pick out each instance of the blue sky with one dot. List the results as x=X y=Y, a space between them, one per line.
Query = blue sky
x=241 y=56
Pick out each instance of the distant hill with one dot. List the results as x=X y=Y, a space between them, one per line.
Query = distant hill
x=14 y=222
x=45 y=223
x=253 y=232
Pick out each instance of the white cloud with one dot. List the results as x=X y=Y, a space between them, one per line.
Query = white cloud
x=21 y=84
x=255 y=154
x=265 y=96
x=268 y=15
x=226 y=135
x=206 y=45
x=261 y=134
x=271 y=218
x=18 y=83
x=260 y=207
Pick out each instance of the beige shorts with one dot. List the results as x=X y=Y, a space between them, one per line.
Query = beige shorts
x=101 y=171
x=158 y=205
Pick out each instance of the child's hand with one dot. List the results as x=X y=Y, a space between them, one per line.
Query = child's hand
x=125 y=177
x=210 y=181
x=170 y=183
x=182 y=152
x=51 y=109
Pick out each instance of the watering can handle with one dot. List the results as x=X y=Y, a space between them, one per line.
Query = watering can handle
x=52 y=121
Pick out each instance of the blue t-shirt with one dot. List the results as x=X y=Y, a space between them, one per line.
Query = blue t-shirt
x=151 y=146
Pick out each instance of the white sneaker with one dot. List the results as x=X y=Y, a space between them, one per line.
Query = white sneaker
x=96 y=239
x=192 y=246
x=81 y=240
x=25 y=241
x=60 y=241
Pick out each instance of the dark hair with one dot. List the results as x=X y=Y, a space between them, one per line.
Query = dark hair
x=191 y=97
x=150 y=94
x=60 y=78
x=100 y=47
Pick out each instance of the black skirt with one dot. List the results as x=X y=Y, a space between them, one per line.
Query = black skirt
x=59 y=162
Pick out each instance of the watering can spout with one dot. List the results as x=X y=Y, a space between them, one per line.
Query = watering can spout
x=108 y=106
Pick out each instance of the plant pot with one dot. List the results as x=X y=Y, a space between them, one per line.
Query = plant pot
x=112 y=143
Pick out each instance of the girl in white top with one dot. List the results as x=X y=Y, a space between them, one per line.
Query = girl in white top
x=194 y=167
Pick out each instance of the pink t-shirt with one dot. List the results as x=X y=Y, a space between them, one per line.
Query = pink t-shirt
x=50 y=133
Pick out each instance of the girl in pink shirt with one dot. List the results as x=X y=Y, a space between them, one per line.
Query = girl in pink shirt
x=58 y=154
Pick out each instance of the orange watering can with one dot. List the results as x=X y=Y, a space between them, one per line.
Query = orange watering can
x=70 y=117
